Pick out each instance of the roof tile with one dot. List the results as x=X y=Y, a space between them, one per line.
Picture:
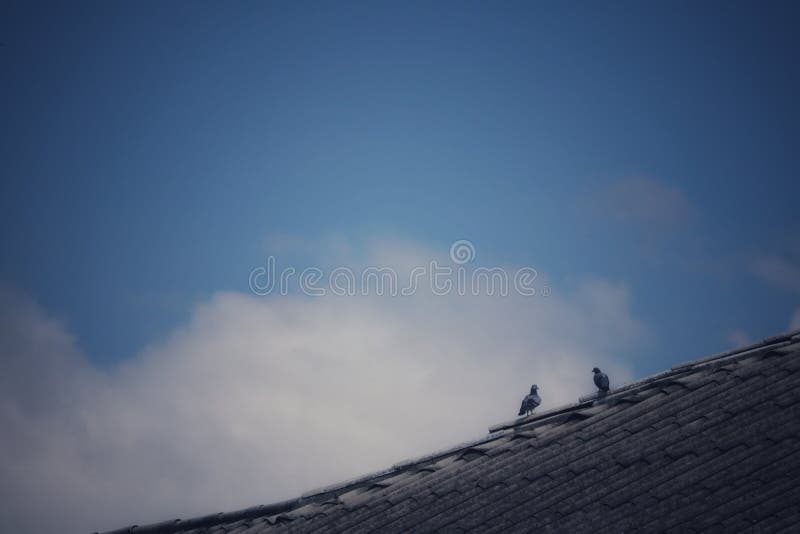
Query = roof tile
x=711 y=445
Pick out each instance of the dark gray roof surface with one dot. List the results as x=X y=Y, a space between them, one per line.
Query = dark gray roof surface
x=710 y=445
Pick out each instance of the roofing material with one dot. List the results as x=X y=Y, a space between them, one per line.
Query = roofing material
x=711 y=444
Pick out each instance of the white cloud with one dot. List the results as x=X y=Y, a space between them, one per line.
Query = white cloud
x=794 y=324
x=259 y=399
x=778 y=272
x=738 y=338
x=658 y=221
x=643 y=199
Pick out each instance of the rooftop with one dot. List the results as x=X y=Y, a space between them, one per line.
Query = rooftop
x=709 y=444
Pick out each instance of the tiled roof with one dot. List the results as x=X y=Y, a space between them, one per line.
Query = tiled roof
x=709 y=445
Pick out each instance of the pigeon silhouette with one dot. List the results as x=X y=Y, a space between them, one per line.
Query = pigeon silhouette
x=601 y=380
x=531 y=401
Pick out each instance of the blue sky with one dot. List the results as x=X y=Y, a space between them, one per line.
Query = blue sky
x=642 y=157
x=148 y=150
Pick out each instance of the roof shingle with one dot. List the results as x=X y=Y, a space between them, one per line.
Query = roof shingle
x=712 y=444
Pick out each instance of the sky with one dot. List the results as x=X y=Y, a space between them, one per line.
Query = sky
x=642 y=159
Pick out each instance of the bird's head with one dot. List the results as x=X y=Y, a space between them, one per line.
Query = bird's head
x=534 y=388
x=595 y=370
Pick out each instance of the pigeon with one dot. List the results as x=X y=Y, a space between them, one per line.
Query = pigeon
x=600 y=380
x=531 y=401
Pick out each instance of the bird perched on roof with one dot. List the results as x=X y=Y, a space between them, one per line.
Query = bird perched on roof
x=601 y=380
x=531 y=401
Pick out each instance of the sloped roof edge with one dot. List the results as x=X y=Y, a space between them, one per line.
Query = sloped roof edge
x=495 y=432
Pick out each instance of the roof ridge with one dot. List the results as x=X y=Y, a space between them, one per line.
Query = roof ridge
x=495 y=432
x=785 y=338
x=677 y=370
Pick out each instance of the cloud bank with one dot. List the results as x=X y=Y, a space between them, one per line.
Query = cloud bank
x=259 y=399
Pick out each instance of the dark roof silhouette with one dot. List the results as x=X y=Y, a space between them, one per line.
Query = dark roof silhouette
x=711 y=444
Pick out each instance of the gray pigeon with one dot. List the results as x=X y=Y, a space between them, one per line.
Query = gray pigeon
x=531 y=401
x=601 y=380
